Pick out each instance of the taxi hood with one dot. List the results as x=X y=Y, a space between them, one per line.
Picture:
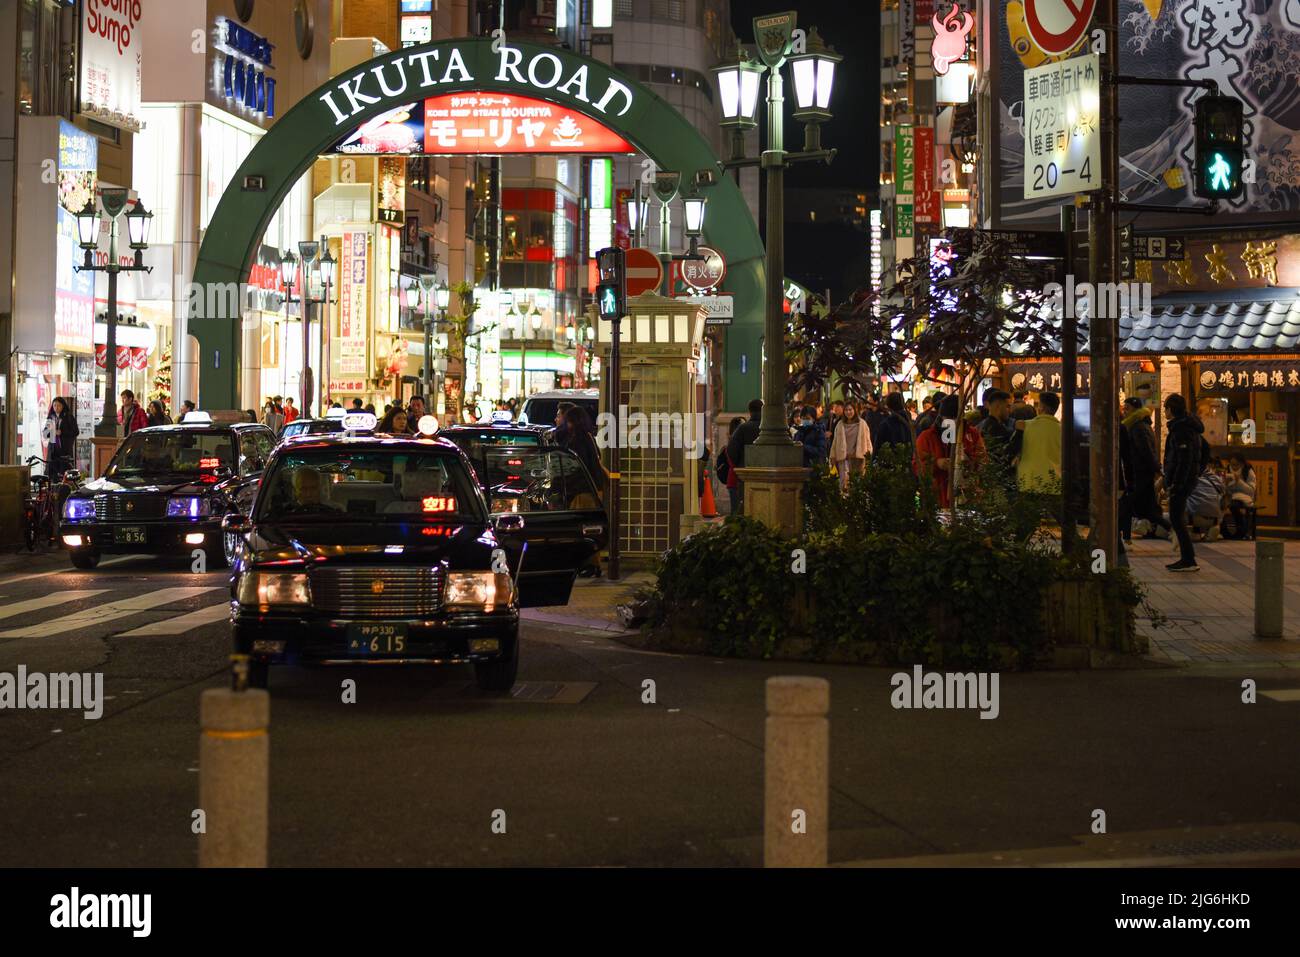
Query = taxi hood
x=396 y=543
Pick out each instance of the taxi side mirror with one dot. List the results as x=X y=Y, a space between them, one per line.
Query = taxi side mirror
x=509 y=522
x=235 y=523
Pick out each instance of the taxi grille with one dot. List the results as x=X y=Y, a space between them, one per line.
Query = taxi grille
x=378 y=592
x=114 y=508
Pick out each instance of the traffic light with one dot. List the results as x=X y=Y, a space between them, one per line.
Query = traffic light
x=1220 y=148
x=611 y=288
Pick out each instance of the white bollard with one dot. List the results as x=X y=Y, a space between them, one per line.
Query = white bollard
x=796 y=771
x=234 y=772
x=1270 y=563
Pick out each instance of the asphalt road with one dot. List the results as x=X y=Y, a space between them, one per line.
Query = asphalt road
x=586 y=773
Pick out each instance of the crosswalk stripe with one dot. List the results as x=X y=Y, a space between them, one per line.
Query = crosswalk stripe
x=1284 y=694
x=109 y=612
x=181 y=623
x=45 y=601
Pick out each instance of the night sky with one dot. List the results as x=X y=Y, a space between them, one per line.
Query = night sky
x=852 y=28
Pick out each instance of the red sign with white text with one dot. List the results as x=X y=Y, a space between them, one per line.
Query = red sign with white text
x=490 y=123
x=926 y=202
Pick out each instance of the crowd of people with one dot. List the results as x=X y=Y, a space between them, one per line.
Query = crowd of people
x=1017 y=444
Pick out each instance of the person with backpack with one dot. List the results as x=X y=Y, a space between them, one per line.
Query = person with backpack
x=724 y=470
x=1183 y=464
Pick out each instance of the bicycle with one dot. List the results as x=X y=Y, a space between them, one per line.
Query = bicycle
x=44 y=501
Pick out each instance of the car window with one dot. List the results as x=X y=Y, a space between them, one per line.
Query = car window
x=254 y=449
x=543 y=480
x=371 y=485
x=179 y=452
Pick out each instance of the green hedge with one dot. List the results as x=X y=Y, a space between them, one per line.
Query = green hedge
x=878 y=575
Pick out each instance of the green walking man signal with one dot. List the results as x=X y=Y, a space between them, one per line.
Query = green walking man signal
x=1220 y=148
x=611 y=288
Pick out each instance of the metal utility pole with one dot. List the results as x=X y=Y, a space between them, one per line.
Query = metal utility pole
x=1069 y=373
x=1103 y=330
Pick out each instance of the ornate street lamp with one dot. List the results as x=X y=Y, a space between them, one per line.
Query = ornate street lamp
x=695 y=207
x=738 y=86
x=114 y=201
x=637 y=210
x=814 y=80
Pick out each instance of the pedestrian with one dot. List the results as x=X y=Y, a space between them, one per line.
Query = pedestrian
x=60 y=436
x=832 y=419
x=130 y=415
x=726 y=472
x=895 y=430
x=936 y=455
x=356 y=405
x=874 y=415
x=157 y=415
x=929 y=412
x=415 y=409
x=279 y=403
x=1022 y=410
x=1241 y=496
x=744 y=436
x=290 y=412
x=559 y=434
x=270 y=418
x=1001 y=437
x=581 y=441
x=852 y=444
x=394 y=422
x=186 y=408
x=1039 y=465
x=1144 y=503
x=1182 y=469
x=1205 y=505
x=812 y=437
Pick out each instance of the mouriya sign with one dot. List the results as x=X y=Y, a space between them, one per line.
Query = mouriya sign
x=476 y=67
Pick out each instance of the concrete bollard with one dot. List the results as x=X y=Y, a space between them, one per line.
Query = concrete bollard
x=796 y=772
x=1270 y=563
x=234 y=771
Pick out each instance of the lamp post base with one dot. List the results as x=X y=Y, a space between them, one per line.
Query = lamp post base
x=774 y=496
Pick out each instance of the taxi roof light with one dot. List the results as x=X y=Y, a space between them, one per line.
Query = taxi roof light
x=502 y=417
x=428 y=425
x=359 y=422
x=196 y=417
x=336 y=412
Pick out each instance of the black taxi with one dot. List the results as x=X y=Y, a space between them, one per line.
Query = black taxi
x=166 y=491
x=375 y=549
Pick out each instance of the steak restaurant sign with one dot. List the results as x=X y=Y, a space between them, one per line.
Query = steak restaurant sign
x=427 y=71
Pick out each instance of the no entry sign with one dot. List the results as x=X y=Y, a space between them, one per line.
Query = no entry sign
x=645 y=272
x=1056 y=26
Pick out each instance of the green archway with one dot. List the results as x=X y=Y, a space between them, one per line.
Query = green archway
x=321 y=118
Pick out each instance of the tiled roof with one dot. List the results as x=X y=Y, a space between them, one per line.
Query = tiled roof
x=1246 y=325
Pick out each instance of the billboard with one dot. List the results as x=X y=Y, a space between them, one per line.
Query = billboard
x=1251 y=50
x=112 y=54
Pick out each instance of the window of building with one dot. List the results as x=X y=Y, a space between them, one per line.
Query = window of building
x=623 y=8
x=668 y=9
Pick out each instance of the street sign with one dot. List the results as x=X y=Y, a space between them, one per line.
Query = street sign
x=707 y=273
x=1062 y=138
x=1056 y=26
x=1160 y=248
x=719 y=310
x=645 y=273
x=1021 y=242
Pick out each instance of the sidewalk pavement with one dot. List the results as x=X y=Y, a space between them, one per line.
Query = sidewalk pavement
x=593 y=604
x=1211 y=613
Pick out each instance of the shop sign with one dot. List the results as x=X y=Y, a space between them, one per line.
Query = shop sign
x=392 y=191
x=112 y=52
x=907 y=15
x=74 y=292
x=242 y=77
x=704 y=274
x=904 y=161
x=353 y=328
x=926 y=204
x=1047 y=376
x=1276 y=375
x=718 y=310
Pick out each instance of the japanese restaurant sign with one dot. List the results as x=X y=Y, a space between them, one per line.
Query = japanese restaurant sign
x=352 y=305
x=1259 y=374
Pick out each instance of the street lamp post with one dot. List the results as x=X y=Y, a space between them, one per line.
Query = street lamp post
x=738 y=85
x=138 y=219
x=443 y=297
x=308 y=256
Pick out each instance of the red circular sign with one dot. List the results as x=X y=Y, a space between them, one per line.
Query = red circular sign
x=645 y=273
x=707 y=273
x=1056 y=26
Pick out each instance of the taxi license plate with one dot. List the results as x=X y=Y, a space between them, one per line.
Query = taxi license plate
x=376 y=638
x=130 y=535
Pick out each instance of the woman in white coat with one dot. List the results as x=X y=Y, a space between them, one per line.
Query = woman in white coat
x=851 y=445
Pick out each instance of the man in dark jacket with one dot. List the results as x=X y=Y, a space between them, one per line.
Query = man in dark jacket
x=895 y=428
x=812 y=437
x=1001 y=438
x=874 y=415
x=1182 y=468
x=744 y=436
x=929 y=412
x=1143 y=466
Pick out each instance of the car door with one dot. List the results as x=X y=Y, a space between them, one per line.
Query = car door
x=255 y=446
x=564 y=522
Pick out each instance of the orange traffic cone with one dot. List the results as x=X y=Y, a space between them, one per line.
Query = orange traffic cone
x=708 y=509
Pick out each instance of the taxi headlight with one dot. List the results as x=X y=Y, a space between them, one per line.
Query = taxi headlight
x=77 y=509
x=260 y=588
x=188 y=506
x=478 y=591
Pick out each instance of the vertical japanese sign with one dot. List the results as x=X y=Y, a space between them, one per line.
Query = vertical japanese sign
x=906 y=34
x=904 y=180
x=927 y=197
x=1062 y=120
x=112 y=54
x=352 y=305
x=74 y=292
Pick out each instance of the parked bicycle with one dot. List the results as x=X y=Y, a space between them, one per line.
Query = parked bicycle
x=41 y=511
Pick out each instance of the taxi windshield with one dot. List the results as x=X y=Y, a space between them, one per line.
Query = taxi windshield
x=369 y=485
x=179 y=452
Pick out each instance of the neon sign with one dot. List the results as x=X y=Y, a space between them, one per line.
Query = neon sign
x=950 y=37
x=242 y=70
x=438 y=503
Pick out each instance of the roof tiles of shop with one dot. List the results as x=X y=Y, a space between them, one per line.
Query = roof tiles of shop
x=1264 y=320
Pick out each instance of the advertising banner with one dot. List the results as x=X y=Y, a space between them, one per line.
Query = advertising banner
x=74 y=292
x=353 y=327
x=927 y=201
x=112 y=54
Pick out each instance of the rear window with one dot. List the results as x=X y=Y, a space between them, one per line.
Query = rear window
x=541 y=480
x=542 y=411
x=369 y=485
